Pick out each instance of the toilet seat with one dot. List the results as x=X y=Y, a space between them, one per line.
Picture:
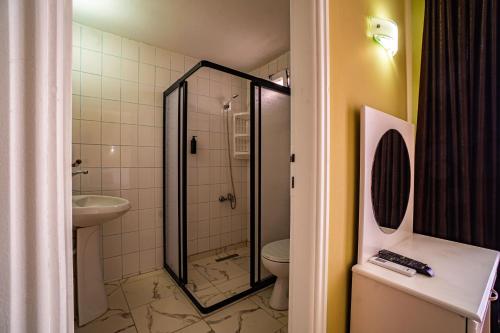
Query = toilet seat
x=278 y=251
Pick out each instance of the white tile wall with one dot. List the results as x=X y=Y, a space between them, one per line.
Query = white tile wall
x=280 y=63
x=212 y=224
x=117 y=132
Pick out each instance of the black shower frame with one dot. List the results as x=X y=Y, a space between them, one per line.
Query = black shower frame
x=182 y=85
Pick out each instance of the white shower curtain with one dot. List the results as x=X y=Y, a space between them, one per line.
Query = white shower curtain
x=36 y=292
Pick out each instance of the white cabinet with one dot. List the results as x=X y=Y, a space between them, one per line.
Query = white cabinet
x=456 y=299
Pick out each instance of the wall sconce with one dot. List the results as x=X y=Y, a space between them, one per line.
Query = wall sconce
x=384 y=32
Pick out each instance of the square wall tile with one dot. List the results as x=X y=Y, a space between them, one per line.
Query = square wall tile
x=110 y=111
x=162 y=77
x=162 y=58
x=146 y=219
x=90 y=108
x=177 y=62
x=129 y=156
x=90 y=132
x=130 y=221
x=91 y=85
x=111 y=88
x=129 y=91
x=90 y=155
x=91 y=39
x=147 y=239
x=110 y=134
x=146 y=115
x=146 y=198
x=112 y=268
x=147 y=74
x=131 y=264
x=110 y=179
x=146 y=136
x=146 y=94
x=91 y=61
x=111 y=44
x=146 y=157
x=147 y=260
x=146 y=177
x=129 y=178
x=129 y=112
x=130 y=49
x=147 y=54
x=111 y=246
x=92 y=180
x=129 y=135
x=113 y=227
x=110 y=156
x=111 y=66
x=129 y=70
x=130 y=242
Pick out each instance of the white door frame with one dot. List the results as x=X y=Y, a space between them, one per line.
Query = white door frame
x=311 y=144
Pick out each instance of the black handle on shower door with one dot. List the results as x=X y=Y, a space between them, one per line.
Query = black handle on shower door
x=193 y=145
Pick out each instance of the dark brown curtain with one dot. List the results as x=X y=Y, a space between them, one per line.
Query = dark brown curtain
x=457 y=160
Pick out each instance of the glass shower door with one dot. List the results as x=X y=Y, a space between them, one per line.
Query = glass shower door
x=173 y=183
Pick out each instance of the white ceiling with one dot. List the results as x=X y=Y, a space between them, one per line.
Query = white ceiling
x=241 y=34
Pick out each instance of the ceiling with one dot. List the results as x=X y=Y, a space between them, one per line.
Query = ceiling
x=241 y=34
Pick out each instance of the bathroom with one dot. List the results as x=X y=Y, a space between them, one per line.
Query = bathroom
x=249 y=166
x=173 y=136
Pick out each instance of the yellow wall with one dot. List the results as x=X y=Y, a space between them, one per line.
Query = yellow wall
x=417 y=30
x=362 y=73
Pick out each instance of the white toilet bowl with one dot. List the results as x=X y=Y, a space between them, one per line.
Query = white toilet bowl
x=276 y=258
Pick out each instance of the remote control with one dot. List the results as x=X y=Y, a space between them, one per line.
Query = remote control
x=420 y=267
x=392 y=266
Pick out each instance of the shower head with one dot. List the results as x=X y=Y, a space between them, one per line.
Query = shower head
x=227 y=104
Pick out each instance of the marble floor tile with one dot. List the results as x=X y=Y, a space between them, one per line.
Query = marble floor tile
x=220 y=272
x=165 y=315
x=262 y=300
x=196 y=281
x=199 y=327
x=235 y=286
x=116 y=319
x=142 y=291
x=209 y=296
x=243 y=317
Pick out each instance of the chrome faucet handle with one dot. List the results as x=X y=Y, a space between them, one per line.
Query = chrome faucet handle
x=77 y=162
x=74 y=173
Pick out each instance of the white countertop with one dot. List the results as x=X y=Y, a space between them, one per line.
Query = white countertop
x=464 y=274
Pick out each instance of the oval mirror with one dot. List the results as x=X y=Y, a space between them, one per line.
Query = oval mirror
x=391 y=176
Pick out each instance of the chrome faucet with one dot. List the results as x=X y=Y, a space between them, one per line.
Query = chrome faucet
x=74 y=173
x=76 y=163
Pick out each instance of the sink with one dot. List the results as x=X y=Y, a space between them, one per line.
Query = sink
x=90 y=210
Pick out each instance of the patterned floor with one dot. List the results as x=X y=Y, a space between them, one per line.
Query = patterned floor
x=152 y=302
x=212 y=281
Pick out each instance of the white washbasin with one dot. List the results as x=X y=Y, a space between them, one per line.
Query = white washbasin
x=90 y=210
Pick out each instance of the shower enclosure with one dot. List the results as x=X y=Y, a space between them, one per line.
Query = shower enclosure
x=226 y=181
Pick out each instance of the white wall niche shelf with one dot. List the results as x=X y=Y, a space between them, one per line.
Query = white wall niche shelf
x=241 y=135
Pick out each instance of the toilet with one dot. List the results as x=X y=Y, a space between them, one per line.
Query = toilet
x=276 y=258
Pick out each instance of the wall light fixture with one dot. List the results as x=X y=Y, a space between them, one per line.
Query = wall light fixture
x=384 y=32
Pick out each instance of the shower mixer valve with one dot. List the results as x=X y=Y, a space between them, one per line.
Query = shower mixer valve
x=229 y=197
